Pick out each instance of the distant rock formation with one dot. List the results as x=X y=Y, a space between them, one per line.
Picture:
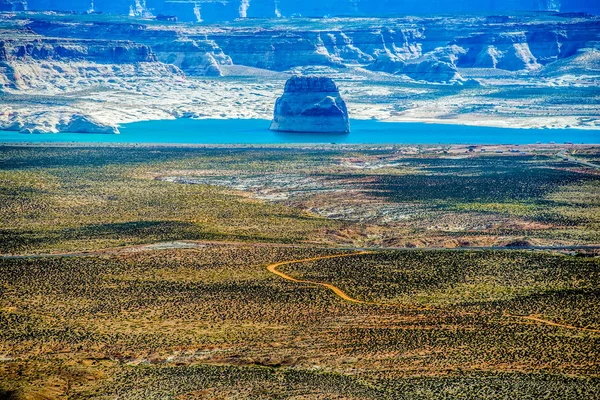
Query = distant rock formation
x=506 y=50
x=432 y=67
x=56 y=49
x=84 y=124
x=197 y=57
x=48 y=122
x=425 y=49
x=189 y=57
x=311 y=104
x=223 y=10
x=585 y=62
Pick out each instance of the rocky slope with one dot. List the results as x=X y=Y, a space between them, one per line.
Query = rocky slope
x=39 y=65
x=428 y=48
x=310 y=104
x=27 y=59
x=108 y=51
x=445 y=43
x=197 y=56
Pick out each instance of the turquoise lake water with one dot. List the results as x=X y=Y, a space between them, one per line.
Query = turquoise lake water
x=189 y=131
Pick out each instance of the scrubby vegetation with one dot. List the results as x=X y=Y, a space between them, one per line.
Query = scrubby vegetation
x=514 y=282
x=70 y=199
x=59 y=199
x=213 y=322
x=122 y=314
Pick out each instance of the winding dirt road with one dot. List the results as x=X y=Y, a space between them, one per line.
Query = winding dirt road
x=339 y=292
x=273 y=269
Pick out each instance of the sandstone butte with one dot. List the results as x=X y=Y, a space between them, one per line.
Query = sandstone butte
x=311 y=104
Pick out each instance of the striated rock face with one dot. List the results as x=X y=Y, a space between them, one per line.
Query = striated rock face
x=227 y=10
x=120 y=69
x=30 y=61
x=61 y=49
x=426 y=49
x=195 y=58
x=196 y=55
x=585 y=62
x=437 y=66
x=311 y=104
x=280 y=49
x=423 y=48
x=508 y=51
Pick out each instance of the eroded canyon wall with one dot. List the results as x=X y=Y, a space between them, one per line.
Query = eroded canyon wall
x=226 y=10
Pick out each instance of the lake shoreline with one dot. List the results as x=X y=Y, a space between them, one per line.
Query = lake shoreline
x=255 y=132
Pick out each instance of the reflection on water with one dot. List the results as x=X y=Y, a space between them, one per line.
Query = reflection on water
x=309 y=137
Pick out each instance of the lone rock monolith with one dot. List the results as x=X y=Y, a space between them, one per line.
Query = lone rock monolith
x=311 y=104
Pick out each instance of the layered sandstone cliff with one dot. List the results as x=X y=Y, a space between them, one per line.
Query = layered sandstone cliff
x=228 y=10
x=398 y=68
x=429 y=49
x=193 y=54
x=311 y=104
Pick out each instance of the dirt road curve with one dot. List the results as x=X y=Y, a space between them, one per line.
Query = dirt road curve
x=535 y=318
x=572 y=159
x=273 y=269
x=339 y=292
